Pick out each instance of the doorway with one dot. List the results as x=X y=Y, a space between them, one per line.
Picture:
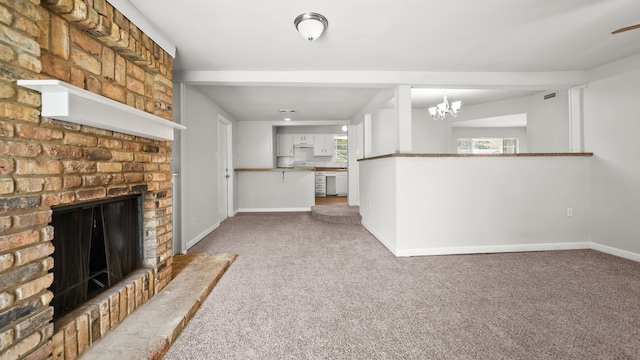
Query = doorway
x=225 y=169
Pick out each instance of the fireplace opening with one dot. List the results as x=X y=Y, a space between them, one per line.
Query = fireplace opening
x=96 y=244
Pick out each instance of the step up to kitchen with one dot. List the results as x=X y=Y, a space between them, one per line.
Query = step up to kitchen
x=337 y=214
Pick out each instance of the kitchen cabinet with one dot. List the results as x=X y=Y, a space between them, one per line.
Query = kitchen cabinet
x=321 y=183
x=342 y=184
x=323 y=145
x=303 y=139
x=284 y=145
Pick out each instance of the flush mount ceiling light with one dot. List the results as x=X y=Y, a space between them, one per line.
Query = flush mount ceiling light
x=287 y=113
x=311 y=25
x=440 y=111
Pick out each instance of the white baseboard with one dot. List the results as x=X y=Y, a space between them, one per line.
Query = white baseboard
x=484 y=249
x=615 y=251
x=275 y=209
x=202 y=235
x=381 y=239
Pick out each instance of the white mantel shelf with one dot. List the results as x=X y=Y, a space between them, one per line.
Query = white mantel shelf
x=63 y=101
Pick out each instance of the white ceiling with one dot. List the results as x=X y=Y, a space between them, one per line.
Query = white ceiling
x=247 y=56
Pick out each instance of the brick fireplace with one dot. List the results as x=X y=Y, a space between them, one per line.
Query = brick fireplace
x=47 y=163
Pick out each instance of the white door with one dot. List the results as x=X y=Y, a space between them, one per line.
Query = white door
x=223 y=172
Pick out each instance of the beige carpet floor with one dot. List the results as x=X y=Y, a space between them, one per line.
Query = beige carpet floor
x=304 y=289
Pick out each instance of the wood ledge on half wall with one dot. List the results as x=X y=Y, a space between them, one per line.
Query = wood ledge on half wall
x=478 y=155
x=276 y=169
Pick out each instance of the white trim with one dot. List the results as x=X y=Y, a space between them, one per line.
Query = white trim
x=403 y=118
x=139 y=20
x=63 y=101
x=381 y=240
x=302 y=209
x=184 y=160
x=576 y=138
x=367 y=135
x=231 y=172
x=615 y=251
x=492 y=249
x=202 y=235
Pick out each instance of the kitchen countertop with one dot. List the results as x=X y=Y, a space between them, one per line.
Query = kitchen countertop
x=330 y=169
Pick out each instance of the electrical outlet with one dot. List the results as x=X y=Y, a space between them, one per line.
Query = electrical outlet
x=194 y=221
x=569 y=212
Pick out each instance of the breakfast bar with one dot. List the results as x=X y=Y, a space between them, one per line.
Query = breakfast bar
x=275 y=189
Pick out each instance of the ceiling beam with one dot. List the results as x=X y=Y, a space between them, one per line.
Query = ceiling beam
x=387 y=79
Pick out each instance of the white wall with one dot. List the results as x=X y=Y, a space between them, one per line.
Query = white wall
x=548 y=123
x=497 y=108
x=423 y=206
x=383 y=132
x=200 y=171
x=428 y=135
x=547 y=120
x=199 y=167
x=255 y=144
x=378 y=199
x=611 y=129
x=354 y=171
x=480 y=132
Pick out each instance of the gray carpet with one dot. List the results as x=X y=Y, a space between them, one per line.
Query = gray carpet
x=305 y=289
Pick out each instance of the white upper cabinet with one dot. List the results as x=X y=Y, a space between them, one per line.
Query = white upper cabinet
x=323 y=145
x=303 y=139
x=284 y=145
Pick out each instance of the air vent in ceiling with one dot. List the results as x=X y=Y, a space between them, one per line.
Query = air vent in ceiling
x=288 y=111
x=550 y=95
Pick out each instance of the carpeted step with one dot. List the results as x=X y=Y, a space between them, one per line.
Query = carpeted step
x=337 y=214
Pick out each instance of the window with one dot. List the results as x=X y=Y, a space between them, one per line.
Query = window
x=487 y=146
x=340 y=149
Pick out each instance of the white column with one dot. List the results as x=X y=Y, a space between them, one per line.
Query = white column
x=367 y=135
x=403 y=118
x=354 y=173
x=576 y=142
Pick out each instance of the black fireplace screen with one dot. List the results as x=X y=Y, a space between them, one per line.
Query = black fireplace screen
x=96 y=245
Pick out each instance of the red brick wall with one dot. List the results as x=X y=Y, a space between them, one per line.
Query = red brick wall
x=45 y=163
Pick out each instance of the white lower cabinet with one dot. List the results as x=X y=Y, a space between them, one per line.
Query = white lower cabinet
x=342 y=183
x=321 y=183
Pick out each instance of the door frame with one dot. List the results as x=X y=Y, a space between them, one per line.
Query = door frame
x=229 y=193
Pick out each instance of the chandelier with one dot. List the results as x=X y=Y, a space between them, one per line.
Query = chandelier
x=440 y=111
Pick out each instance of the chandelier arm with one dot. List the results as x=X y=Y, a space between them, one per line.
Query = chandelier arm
x=440 y=111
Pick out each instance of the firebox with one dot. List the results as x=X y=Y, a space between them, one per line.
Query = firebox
x=96 y=244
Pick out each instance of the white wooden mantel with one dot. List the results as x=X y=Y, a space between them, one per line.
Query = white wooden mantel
x=63 y=101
